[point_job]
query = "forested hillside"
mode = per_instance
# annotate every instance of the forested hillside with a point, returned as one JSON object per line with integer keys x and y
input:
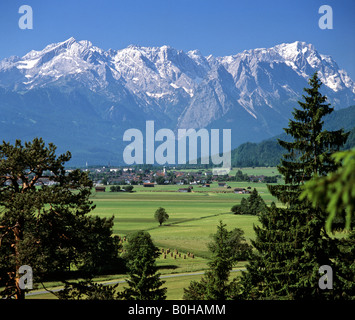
{"x": 269, "y": 152}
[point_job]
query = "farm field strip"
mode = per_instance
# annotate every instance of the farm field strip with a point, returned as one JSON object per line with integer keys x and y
{"x": 193, "y": 217}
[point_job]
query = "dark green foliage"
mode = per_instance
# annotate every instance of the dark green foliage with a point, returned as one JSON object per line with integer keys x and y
{"x": 88, "y": 290}
{"x": 344, "y": 268}
{"x": 286, "y": 265}
{"x": 239, "y": 249}
{"x": 239, "y": 176}
{"x": 144, "y": 282}
{"x": 161, "y": 215}
{"x": 309, "y": 153}
{"x": 46, "y": 226}
{"x": 253, "y": 205}
{"x": 256, "y": 204}
{"x": 335, "y": 193}
{"x": 98, "y": 253}
{"x": 237, "y": 208}
{"x": 266, "y": 153}
{"x": 271, "y": 179}
{"x": 128, "y": 188}
{"x": 226, "y": 249}
{"x": 291, "y": 246}
{"x": 350, "y": 143}
{"x": 292, "y": 242}
{"x": 160, "y": 180}
{"x": 115, "y": 188}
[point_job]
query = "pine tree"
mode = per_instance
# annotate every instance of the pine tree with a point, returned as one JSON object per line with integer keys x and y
{"x": 335, "y": 193}
{"x": 254, "y": 205}
{"x": 309, "y": 153}
{"x": 46, "y": 226}
{"x": 144, "y": 282}
{"x": 292, "y": 242}
{"x": 226, "y": 248}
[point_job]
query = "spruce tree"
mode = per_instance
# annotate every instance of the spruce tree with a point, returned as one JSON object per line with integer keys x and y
{"x": 309, "y": 153}
{"x": 254, "y": 205}
{"x": 226, "y": 249}
{"x": 335, "y": 193}
{"x": 144, "y": 282}
{"x": 292, "y": 242}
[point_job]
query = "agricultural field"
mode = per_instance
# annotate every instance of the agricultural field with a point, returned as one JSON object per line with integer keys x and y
{"x": 266, "y": 171}
{"x": 193, "y": 218}
{"x": 197, "y": 210}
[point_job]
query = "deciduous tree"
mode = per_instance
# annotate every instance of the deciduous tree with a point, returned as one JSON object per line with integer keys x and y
{"x": 161, "y": 215}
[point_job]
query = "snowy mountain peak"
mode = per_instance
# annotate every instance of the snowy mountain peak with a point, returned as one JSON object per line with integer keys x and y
{"x": 292, "y": 51}
{"x": 165, "y": 78}
{"x": 99, "y": 93}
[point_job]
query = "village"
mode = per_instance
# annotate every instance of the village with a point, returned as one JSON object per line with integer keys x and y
{"x": 151, "y": 177}
{"x": 125, "y": 178}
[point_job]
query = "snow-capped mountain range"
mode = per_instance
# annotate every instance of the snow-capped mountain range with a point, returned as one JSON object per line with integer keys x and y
{"x": 95, "y": 94}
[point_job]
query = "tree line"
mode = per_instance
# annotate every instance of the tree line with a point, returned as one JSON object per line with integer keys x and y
{"x": 254, "y": 205}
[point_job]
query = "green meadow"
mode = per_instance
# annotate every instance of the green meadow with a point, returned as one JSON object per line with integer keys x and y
{"x": 203, "y": 206}
{"x": 193, "y": 218}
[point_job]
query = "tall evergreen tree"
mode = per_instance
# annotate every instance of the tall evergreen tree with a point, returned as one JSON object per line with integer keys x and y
{"x": 144, "y": 282}
{"x": 336, "y": 193}
{"x": 226, "y": 249}
{"x": 292, "y": 242}
{"x": 254, "y": 204}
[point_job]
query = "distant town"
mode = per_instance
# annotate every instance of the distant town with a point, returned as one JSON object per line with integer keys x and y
{"x": 151, "y": 176}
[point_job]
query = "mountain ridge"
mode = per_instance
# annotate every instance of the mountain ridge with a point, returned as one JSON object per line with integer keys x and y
{"x": 93, "y": 95}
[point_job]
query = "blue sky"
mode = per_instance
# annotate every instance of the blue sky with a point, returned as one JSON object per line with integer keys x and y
{"x": 214, "y": 27}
